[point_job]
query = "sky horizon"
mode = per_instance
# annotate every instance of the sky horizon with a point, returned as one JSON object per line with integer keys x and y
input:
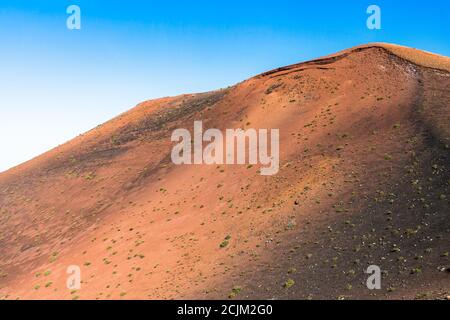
{"x": 58, "y": 83}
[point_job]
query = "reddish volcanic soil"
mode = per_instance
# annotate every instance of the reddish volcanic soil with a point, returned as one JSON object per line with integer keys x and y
{"x": 364, "y": 179}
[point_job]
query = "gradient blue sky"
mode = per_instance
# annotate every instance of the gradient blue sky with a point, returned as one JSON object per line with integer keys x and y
{"x": 56, "y": 83}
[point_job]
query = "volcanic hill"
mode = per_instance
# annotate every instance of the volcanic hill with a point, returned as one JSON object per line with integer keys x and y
{"x": 364, "y": 180}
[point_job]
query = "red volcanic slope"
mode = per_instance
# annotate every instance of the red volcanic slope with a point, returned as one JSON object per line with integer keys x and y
{"x": 363, "y": 180}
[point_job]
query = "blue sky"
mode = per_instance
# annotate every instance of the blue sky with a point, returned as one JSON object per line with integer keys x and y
{"x": 56, "y": 83}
